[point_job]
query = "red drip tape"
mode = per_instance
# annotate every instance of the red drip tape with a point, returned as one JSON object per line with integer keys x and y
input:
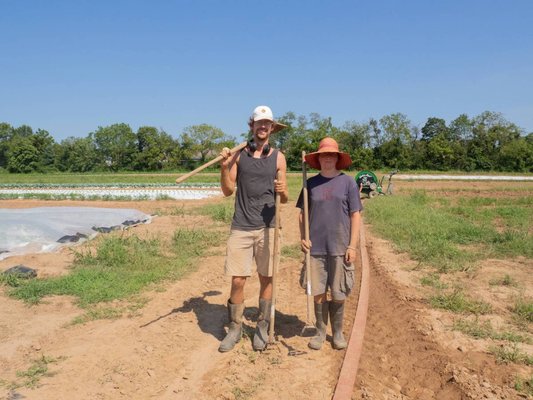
{"x": 346, "y": 381}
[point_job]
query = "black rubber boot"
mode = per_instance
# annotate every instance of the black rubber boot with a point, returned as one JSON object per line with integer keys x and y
{"x": 234, "y": 334}
{"x": 336, "y": 313}
{"x": 263, "y": 321}
{"x": 321, "y": 314}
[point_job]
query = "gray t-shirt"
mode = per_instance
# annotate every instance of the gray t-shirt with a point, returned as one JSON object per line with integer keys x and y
{"x": 331, "y": 202}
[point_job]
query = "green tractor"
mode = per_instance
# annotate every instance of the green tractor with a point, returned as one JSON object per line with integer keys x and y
{"x": 369, "y": 184}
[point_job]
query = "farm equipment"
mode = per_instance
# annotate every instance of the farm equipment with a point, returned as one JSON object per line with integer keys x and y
{"x": 368, "y": 183}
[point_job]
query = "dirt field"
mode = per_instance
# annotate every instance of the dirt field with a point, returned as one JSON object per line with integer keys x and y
{"x": 168, "y": 349}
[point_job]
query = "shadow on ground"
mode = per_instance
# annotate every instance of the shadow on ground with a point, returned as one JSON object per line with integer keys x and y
{"x": 212, "y": 318}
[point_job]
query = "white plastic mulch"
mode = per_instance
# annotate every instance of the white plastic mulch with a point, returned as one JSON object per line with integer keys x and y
{"x": 46, "y": 229}
{"x": 150, "y": 194}
{"x": 464, "y": 177}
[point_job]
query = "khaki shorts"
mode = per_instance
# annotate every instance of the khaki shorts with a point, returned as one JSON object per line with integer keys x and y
{"x": 330, "y": 272}
{"x": 244, "y": 247}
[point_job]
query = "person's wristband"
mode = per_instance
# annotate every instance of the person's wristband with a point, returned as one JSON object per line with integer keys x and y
{"x": 351, "y": 247}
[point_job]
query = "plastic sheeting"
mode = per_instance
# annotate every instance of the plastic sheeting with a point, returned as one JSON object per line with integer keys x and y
{"x": 45, "y": 229}
{"x": 114, "y": 193}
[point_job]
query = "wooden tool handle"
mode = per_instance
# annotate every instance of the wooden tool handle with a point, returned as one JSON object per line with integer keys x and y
{"x": 209, "y": 163}
{"x": 275, "y": 264}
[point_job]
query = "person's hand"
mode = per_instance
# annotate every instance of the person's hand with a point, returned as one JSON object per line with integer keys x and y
{"x": 225, "y": 153}
{"x": 350, "y": 254}
{"x": 306, "y": 245}
{"x": 280, "y": 186}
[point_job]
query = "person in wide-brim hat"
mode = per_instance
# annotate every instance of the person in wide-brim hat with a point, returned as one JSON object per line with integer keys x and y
{"x": 328, "y": 145}
{"x": 331, "y": 211}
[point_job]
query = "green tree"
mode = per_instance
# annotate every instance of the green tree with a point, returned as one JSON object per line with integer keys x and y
{"x": 439, "y": 153}
{"x": 23, "y": 131}
{"x": 280, "y": 139}
{"x": 206, "y": 140}
{"x": 396, "y": 149}
{"x": 304, "y": 134}
{"x": 44, "y": 143}
{"x": 516, "y": 156}
{"x": 23, "y": 157}
{"x": 437, "y": 145}
{"x": 490, "y": 132}
{"x": 115, "y": 146}
{"x": 154, "y": 149}
{"x": 355, "y": 138}
{"x": 76, "y": 155}
{"x": 6, "y": 132}
{"x": 434, "y": 127}
{"x": 396, "y": 127}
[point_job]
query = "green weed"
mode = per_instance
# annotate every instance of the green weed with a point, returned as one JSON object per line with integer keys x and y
{"x": 35, "y": 372}
{"x": 248, "y": 392}
{"x": 98, "y": 313}
{"x": 433, "y": 280}
{"x": 506, "y": 280}
{"x": 178, "y": 211}
{"x": 485, "y": 330}
{"x": 221, "y": 212}
{"x": 291, "y": 251}
{"x": 524, "y": 386}
{"x": 511, "y": 354}
{"x": 523, "y": 309}
{"x": 457, "y": 302}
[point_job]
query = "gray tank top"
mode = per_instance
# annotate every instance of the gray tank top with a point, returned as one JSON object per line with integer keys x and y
{"x": 254, "y": 201}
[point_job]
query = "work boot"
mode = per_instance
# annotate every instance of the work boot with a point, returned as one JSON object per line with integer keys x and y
{"x": 336, "y": 314}
{"x": 234, "y": 334}
{"x": 263, "y": 321}
{"x": 321, "y": 314}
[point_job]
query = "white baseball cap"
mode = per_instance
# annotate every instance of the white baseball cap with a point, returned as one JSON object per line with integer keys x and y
{"x": 262, "y": 112}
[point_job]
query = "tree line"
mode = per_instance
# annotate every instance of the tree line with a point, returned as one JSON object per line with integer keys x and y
{"x": 487, "y": 142}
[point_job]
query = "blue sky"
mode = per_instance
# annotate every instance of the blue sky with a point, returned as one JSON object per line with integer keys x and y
{"x": 72, "y": 66}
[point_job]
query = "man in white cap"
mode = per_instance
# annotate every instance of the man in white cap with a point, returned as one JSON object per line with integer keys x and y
{"x": 254, "y": 171}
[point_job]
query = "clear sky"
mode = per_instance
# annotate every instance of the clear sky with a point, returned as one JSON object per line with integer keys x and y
{"x": 72, "y": 66}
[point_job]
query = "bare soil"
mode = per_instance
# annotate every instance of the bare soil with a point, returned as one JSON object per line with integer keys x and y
{"x": 168, "y": 349}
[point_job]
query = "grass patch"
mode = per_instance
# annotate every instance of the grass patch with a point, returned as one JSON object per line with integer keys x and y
{"x": 249, "y": 391}
{"x": 119, "y": 267}
{"x": 524, "y": 385}
{"x": 511, "y": 354}
{"x": 523, "y": 310}
{"x": 167, "y": 178}
{"x": 433, "y": 280}
{"x": 31, "y": 377}
{"x": 97, "y": 312}
{"x": 221, "y": 212}
{"x": 457, "y": 302}
{"x": 292, "y": 251}
{"x": 485, "y": 330}
{"x": 453, "y": 236}
{"x": 178, "y": 211}
{"x": 506, "y": 280}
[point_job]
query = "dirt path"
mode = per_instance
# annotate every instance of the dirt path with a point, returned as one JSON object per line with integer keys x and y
{"x": 406, "y": 354}
{"x": 168, "y": 350}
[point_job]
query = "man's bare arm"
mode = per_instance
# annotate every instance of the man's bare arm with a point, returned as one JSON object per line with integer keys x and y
{"x": 228, "y": 171}
{"x": 280, "y": 184}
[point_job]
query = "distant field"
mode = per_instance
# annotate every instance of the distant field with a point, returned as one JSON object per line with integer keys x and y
{"x": 92, "y": 178}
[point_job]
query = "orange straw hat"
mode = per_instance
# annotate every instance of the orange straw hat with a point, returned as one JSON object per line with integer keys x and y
{"x": 328, "y": 145}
